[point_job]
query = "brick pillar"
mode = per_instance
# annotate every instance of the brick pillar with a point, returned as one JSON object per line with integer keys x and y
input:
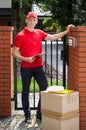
{"x": 5, "y": 70}
{"x": 77, "y": 70}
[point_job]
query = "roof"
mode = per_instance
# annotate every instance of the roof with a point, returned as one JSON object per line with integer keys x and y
{"x": 39, "y": 11}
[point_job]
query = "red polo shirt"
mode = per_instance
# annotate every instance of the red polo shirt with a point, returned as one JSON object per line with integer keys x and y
{"x": 30, "y": 44}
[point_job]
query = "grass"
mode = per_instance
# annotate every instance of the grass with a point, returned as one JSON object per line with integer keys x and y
{"x": 19, "y": 85}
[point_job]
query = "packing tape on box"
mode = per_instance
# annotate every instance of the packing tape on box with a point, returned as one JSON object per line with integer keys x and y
{"x": 60, "y": 116}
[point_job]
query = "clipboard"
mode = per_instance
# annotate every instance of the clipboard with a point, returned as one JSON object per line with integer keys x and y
{"x": 39, "y": 55}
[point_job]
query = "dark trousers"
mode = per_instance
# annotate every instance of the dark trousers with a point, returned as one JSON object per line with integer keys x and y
{"x": 39, "y": 75}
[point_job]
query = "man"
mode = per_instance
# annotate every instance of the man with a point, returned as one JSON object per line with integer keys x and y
{"x": 27, "y": 44}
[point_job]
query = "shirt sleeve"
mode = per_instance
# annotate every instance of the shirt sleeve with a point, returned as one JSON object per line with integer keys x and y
{"x": 44, "y": 34}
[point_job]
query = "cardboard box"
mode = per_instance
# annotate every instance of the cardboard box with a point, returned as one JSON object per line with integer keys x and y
{"x": 49, "y": 122}
{"x": 60, "y": 104}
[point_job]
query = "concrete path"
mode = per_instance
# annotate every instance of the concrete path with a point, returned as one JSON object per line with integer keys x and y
{"x": 16, "y": 121}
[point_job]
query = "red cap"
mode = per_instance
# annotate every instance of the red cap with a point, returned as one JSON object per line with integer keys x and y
{"x": 31, "y": 14}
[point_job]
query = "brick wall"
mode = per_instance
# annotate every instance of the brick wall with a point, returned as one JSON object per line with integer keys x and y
{"x": 77, "y": 70}
{"x": 5, "y": 70}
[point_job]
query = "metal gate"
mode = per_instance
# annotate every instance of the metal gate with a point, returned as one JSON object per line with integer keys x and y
{"x": 55, "y": 66}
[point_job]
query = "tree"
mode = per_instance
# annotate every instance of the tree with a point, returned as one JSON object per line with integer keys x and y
{"x": 67, "y": 11}
{"x": 63, "y": 12}
{"x": 19, "y": 11}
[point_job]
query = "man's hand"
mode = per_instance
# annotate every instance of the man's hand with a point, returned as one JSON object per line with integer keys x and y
{"x": 70, "y": 26}
{"x": 30, "y": 59}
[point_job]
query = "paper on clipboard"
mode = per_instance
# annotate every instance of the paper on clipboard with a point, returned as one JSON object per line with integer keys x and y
{"x": 38, "y": 55}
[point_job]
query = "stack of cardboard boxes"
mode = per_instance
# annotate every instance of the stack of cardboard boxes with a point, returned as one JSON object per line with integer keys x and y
{"x": 60, "y": 111}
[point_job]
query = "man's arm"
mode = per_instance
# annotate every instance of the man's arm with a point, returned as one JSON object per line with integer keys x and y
{"x": 59, "y": 35}
{"x": 16, "y": 54}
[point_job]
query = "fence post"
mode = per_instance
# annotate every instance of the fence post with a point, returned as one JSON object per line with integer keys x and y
{"x": 5, "y": 70}
{"x": 77, "y": 70}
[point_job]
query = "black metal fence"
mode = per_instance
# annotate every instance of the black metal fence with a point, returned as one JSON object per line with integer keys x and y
{"x": 55, "y": 66}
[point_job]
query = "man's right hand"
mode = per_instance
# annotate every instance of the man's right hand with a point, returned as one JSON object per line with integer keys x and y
{"x": 30, "y": 59}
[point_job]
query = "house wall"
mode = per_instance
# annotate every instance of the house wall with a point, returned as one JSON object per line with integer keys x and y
{"x": 5, "y": 3}
{"x": 5, "y": 12}
{"x": 5, "y": 21}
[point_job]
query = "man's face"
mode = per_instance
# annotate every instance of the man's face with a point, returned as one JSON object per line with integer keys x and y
{"x": 31, "y": 22}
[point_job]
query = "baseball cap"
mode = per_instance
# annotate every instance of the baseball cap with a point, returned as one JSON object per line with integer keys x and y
{"x": 31, "y": 14}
